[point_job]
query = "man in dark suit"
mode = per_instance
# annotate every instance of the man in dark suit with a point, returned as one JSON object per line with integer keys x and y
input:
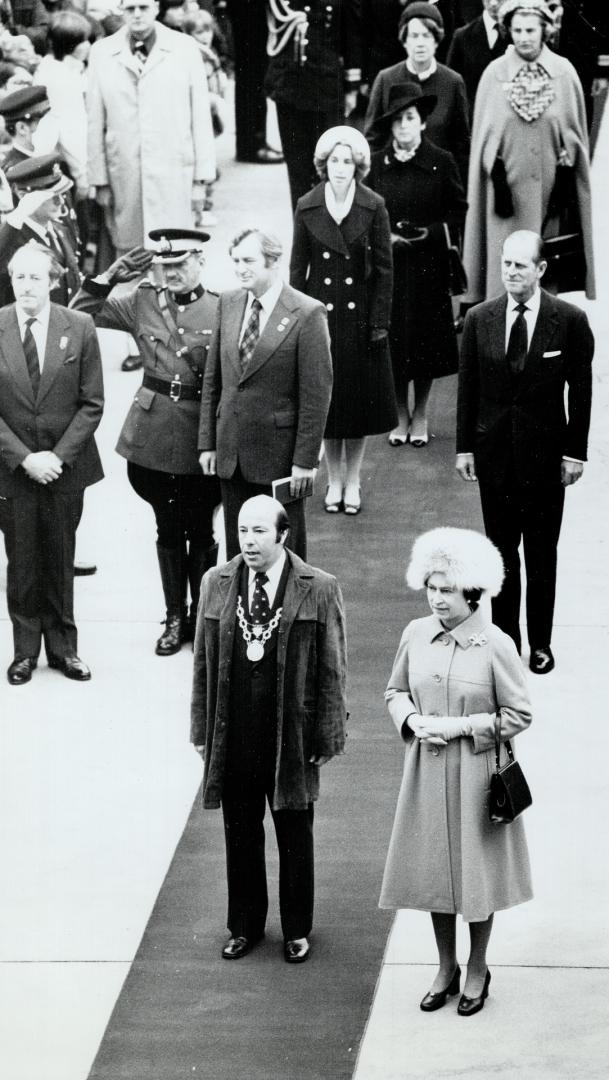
{"x": 51, "y": 402}
{"x": 250, "y": 32}
{"x": 268, "y": 709}
{"x": 266, "y": 388}
{"x": 474, "y": 46}
{"x": 518, "y": 353}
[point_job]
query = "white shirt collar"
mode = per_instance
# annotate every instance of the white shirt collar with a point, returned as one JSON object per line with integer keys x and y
{"x": 532, "y": 303}
{"x": 422, "y": 75}
{"x": 339, "y": 211}
{"x": 268, "y": 299}
{"x": 273, "y": 574}
{"x": 492, "y": 30}
{"x": 42, "y": 317}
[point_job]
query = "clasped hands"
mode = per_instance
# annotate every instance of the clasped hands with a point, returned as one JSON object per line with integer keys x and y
{"x": 437, "y": 730}
{"x": 43, "y": 466}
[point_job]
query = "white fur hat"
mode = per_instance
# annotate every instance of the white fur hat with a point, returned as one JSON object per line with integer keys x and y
{"x": 469, "y": 560}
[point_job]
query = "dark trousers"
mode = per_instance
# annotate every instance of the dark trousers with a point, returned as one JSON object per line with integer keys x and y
{"x": 39, "y": 536}
{"x": 183, "y": 505}
{"x": 533, "y": 514}
{"x": 235, "y": 492}
{"x": 249, "y": 43}
{"x": 299, "y": 131}
{"x": 243, "y": 806}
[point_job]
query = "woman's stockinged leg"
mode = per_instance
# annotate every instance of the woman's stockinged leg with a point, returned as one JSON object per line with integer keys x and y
{"x": 479, "y": 933}
{"x": 445, "y": 930}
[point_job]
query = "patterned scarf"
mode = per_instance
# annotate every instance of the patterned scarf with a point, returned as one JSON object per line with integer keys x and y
{"x": 530, "y": 92}
{"x": 404, "y": 155}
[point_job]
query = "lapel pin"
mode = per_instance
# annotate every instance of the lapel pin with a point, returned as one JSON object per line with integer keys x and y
{"x": 63, "y": 342}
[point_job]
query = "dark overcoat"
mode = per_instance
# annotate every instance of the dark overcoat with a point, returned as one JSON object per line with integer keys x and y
{"x": 350, "y": 269}
{"x": 311, "y": 677}
{"x": 518, "y": 430}
{"x": 272, "y": 415}
{"x": 159, "y": 433}
{"x": 425, "y": 192}
{"x": 469, "y": 55}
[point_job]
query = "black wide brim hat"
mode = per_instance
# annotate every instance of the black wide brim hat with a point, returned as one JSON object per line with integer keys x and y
{"x": 403, "y": 96}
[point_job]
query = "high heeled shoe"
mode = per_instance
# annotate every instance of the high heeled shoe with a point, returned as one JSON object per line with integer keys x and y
{"x": 396, "y": 439}
{"x": 332, "y": 507}
{"x": 351, "y": 505}
{"x": 468, "y": 1006}
{"x": 420, "y": 436}
{"x": 431, "y": 1002}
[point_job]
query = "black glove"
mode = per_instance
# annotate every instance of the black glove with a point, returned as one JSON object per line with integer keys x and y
{"x": 132, "y": 265}
{"x": 504, "y": 204}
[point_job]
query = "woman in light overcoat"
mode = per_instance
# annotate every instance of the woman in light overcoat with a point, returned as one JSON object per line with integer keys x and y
{"x": 454, "y": 676}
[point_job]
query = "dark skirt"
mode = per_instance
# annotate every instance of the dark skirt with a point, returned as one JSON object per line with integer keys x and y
{"x": 363, "y": 395}
{"x": 423, "y": 337}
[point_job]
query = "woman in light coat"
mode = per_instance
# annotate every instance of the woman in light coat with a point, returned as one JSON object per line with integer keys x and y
{"x": 454, "y": 675}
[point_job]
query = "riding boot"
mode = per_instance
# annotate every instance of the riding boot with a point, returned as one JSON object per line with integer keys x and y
{"x": 172, "y": 564}
{"x": 200, "y": 560}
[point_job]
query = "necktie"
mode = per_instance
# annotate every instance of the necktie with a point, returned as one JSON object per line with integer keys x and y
{"x": 140, "y": 53}
{"x": 31, "y": 356}
{"x": 260, "y": 610}
{"x": 250, "y": 334}
{"x": 518, "y": 346}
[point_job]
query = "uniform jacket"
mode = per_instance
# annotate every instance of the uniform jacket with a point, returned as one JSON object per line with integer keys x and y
{"x": 311, "y": 673}
{"x": 68, "y": 407}
{"x": 334, "y": 48}
{"x": 469, "y": 55}
{"x": 272, "y": 415}
{"x": 158, "y": 433}
{"x": 448, "y": 124}
{"x": 529, "y": 151}
{"x": 518, "y": 427}
{"x": 444, "y": 854}
{"x": 150, "y": 135}
{"x": 12, "y": 238}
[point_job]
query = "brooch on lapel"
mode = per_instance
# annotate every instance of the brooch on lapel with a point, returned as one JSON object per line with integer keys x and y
{"x": 284, "y": 322}
{"x": 477, "y": 639}
{"x": 63, "y": 342}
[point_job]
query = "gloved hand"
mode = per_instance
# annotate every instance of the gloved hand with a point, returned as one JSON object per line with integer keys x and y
{"x": 132, "y": 265}
{"x": 438, "y": 730}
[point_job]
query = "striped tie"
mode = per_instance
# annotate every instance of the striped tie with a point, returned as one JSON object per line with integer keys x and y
{"x": 31, "y": 356}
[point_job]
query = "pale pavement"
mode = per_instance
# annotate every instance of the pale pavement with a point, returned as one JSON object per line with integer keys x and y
{"x": 96, "y": 782}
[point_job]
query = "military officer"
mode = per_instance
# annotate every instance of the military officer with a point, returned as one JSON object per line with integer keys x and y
{"x": 171, "y": 315}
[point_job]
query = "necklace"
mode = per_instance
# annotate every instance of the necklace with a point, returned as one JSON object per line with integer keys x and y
{"x": 256, "y": 637}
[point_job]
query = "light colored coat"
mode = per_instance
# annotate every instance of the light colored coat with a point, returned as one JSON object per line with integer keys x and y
{"x": 444, "y": 854}
{"x": 530, "y": 151}
{"x": 150, "y": 135}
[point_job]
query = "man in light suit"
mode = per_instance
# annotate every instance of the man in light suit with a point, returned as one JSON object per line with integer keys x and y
{"x": 519, "y": 351}
{"x": 266, "y": 388}
{"x": 51, "y": 402}
{"x": 474, "y": 46}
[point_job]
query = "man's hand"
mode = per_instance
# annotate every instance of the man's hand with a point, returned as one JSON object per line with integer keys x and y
{"x": 350, "y": 102}
{"x": 570, "y": 471}
{"x": 43, "y": 466}
{"x": 377, "y": 333}
{"x": 320, "y": 759}
{"x": 201, "y": 752}
{"x": 103, "y": 196}
{"x": 207, "y": 461}
{"x": 466, "y": 467}
{"x": 302, "y": 481}
{"x": 128, "y": 267}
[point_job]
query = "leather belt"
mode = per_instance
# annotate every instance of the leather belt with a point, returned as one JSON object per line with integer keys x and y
{"x": 174, "y": 389}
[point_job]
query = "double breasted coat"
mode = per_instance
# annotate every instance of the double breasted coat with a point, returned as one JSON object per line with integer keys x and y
{"x": 311, "y": 675}
{"x": 444, "y": 854}
{"x": 425, "y": 192}
{"x": 529, "y": 151}
{"x": 271, "y": 415}
{"x": 349, "y": 268}
{"x": 150, "y": 134}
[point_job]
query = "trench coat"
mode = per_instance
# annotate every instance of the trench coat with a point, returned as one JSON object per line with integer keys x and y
{"x": 444, "y": 854}
{"x": 150, "y": 135}
{"x": 349, "y": 268}
{"x": 311, "y": 678}
{"x": 529, "y": 150}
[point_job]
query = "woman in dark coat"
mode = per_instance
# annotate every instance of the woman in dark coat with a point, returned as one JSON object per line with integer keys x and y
{"x": 341, "y": 254}
{"x": 425, "y": 200}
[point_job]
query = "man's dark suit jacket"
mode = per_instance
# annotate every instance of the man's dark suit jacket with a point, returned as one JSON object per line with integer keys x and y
{"x": 516, "y": 426}
{"x": 272, "y": 415}
{"x": 67, "y": 409}
{"x": 469, "y": 55}
{"x": 11, "y": 239}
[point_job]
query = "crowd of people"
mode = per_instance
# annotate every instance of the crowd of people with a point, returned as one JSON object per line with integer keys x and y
{"x": 456, "y": 174}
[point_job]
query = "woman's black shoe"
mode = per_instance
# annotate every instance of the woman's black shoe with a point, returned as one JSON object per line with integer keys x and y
{"x": 431, "y": 1002}
{"x": 468, "y": 1006}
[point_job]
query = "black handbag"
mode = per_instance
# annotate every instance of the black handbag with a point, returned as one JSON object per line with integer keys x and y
{"x": 509, "y": 792}
{"x": 457, "y": 277}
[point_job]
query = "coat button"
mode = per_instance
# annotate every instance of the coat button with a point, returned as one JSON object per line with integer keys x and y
{"x": 180, "y": 329}
{"x": 326, "y": 255}
{"x": 330, "y": 307}
{"x": 327, "y": 281}
{"x": 446, "y": 641}
{"x": 437, "y": 678}
{"x": 435, "y": 751}
{"x": 348, "y": 281}
{"x": 351, "y": 305}
{"x": 181, "y": 307}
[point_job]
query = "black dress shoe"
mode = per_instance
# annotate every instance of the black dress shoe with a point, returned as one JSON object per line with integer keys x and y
{"x": 267, "y": 156}
{"x": 131, "y": 363}
{"x": 20, "y": 671}
{"x": 431, "y": 1002}
{"x": 70, "y": 666}
{"x": 296, "y": 952}
{"x": 468, "y": 1006}
{"x": 174, "y": 635}
{"x": 541, "y": 661}
{"x": 82, "y": 569}
{"x": 236, "y": 947}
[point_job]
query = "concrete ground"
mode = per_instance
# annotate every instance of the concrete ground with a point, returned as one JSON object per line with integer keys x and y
{"x": 96, "y": 782}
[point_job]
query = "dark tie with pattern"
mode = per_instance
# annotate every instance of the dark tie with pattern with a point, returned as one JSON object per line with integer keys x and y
{"x": 140, "y": 52}
{"x": 518, "y": 345}
{"x": 260, "y": 610}
{"x": 250, "y": 334}
{"x": 31, "y": 356}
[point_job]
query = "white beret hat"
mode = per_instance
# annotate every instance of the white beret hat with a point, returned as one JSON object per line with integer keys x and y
{"x": 347, "y": 136}
{"x": 469, "y": 560}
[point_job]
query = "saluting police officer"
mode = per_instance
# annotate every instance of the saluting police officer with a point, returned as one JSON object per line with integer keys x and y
{"x": 172, "y": 316}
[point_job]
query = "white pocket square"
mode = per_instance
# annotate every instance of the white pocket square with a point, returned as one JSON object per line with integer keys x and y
{"x": 554, "y": 352}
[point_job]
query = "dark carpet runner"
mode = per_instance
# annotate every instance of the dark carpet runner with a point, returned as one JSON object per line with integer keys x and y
{"x": 186, "y": 1014}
